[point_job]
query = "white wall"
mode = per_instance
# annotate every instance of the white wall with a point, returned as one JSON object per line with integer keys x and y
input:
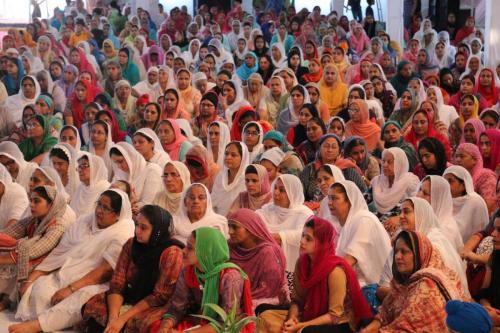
{"x": 19, "y": 11}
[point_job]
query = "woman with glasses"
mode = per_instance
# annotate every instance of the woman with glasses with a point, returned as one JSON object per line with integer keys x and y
{"x": 361, "y": 125}
{"x": 176, "y": 180}
{"x": 93, "y": 181}
{"x": 252, "y": 137}
{"x": 63, "y": 159}
{"x": 39, "y": 140}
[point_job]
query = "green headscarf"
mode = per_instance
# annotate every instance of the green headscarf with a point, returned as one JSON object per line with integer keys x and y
{"x": 29, "y": 149}
{"x": 213, "y": 256}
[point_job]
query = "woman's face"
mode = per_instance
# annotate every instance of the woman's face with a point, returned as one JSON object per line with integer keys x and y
{"x": 142, "y": 145}
{"x": 355, "y": 113}
{"x": 172, "y": 179}
{"x": 304, "y": 116}
{"x": 104, "y": 213}
{"x": 420, "y": 124}
{"x": 375, "y": 47}
{"x": 60, "y": 165}
{"x": 196, "y": 201}
{"x": 254, "y": 85}
{"x": 81, "y": 92}
{"x": 407, "y": 216}
{"x": 252, "y": 183}
{"x": 474, "y": 64}
{"x": 229, "y": 93}
{"x": 369, "y": 90}
{"x": 189, "y": 253}
{"x": 313, "y": 131}
{"x": 427, "y": 158}
{"x": 295, "y": 61}
{"x": 313, "y": 67}
{"x": 280, "y": 197}
{"x": 43, "y": 108}
{"x": 183, "y": 80}
{"x": 457, "y": 186}
{"x": 431, "y": 95}
{"x": 250, "y": 61}
{"x": 143, "y": 229}
{"x": 170, "y": 102}
{"x": 28, "y": 88}
{"x": 422, "y": 57}
{"x": 38, "y": 178}
{"x": 68, "y": 136}
{"x": 75, "y": 58}
{"x": 150, "y": 113}
{"x": 232, "y": 157}
{"x": 324, "y": 180}
{"x": 425, "y": 191}
{"x": 467, "y": 108}
{"x": 485, "y": 146}
{"x": 307, "y": 242}
{"x": 336, "y": 128}
{"x": 404, "y": 258}
{"x": 12, "y": 69}
{"x": 39, "y": 206}
{"x": 465, "y": 160}
{"x": 338, "y": 203}
{"x": 98, "y": 135}
{"x": 166, "y": 134}
{"x": 35, "y": 130}
{"x": 169, "y": 60}
{"x": 122, "y": 58}
{"x": 485, "y": 78}
{"x": 83, "y": 169}
{"x": 391, "y": 133}
{"x": 406, "y": 100}
{"x": 297, "y": 99}
{"x": 489, "y": 122}
{"x": 466, "y": 86}
{"x": 388, "y": 165}
{"x": 330, "y": 75}
{"x": 214, "y": 135}
{"x": 264, "y": 64}
{"x": 358, "y": 154}
{"x": 470, "y": 134}
{"x": 329, "y": 150}
{"x": 440, "y": 50}
{"x": 120, "y": 162}
{"x": 251, "y": 136}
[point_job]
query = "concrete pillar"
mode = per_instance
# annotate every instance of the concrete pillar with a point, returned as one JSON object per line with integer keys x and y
{"x": 394, "y": 19}
{"x": 492, "y": 34}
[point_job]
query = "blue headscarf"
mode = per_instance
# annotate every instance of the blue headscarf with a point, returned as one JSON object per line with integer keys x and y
{"x": 12, "y": 84}
{"x": 244, "y": 71}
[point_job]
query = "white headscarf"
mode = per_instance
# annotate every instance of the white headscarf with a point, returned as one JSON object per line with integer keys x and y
{"x": 144, "y": 87}
{"x": 282, "y": 62}
{"x": 11, "y": 151}
{"x": 239, "y": 101}
{"x": 224, "y": 139}
{"x": 446, "y": 113}
{"x": 223, "y": 193}
{"x": 185, "y": 127}
{"x": 442, "y": 203}
{"x": 14, "y": 105}
{"x": 183, "y": 225}
{"x": 237, "y": 53}
{"x": 14, "y": 200}
{"x": 78, "y": 145}
{"x": 145, "y": 178}
{"x": 73, "y": 179}
{"x": 223, "y": 54}
{"x": 363, "y": 237}
{"x": 51, "y": 174}
{"x": 470, "y": 210}
{"x": 172, "y": 201}
{"x": 83, "y": 200}
{"x": 188, "y": 57}
{"x": 105, "y": 156}
{"x": 274, "y": 155}
{"x": 324, "y": 210}
{"x": 259, "y": 147}
{"x": 287, "y": 222}
{"x": 404, "y": 186}
{"x": 160, "y": 156}
{"x": 427, "y": 223}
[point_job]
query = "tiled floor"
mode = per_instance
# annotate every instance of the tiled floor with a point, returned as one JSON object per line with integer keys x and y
{"x": 7, "y": 318}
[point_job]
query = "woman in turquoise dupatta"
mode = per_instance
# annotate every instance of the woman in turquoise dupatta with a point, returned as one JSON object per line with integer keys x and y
{"x": 130, "y": 71}
{"x": 250, "y": 66}
{"x": 39, "y": 140}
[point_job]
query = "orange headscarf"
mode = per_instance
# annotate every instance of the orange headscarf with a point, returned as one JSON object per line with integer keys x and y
{"x": 364, "y": 128}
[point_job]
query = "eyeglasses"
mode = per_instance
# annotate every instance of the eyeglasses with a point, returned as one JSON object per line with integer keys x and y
{"x": 33, "y": 125}
{"x": 353, "y": 110}
{"x": 105, "y": 209}
{"x": 252, "y": 133}
{"x": 173, "y": 175}
{"x": 82, "y": 167}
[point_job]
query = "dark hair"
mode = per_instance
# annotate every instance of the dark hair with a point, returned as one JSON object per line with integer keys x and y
{"x": 144, "y": 136}
{"x": 251, "y": 169}
{"x": 103, "y": 99}
{"x": 102, "y": 123}
{"x": 339, "y": 187}
{"x": 411, "y": 240}
{"x": 103, "y": 113}
{"x": 468, "y": 77}
{"x": 298, "y": 88}
{"x": 116, "y": 200}
{"x": 253, "y": 125}
{"x": 309, "y": 223}
{"x": 360, "y": 91}
{"x": 67, "y": 127}
{"x": 467, "y": 96}
{"x": 171, "y": 91}
{"x": 115, "y": 151}
{"x": 41, "y": 191}
{"x": 325, "y": 168}
{"x": 238, "y": 146}
{"x": 319, "y": 122}
{"x": 436, "y": 147}
{"x": 126, "y": 51}
{"x": 351, "y": 144}
{"x": 231, "y": 84}
{"x": 59, "y": 153}
{"x": 84, "y": 157}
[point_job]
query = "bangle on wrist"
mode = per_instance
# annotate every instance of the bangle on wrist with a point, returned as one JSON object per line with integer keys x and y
{"x": 70, "y": 287}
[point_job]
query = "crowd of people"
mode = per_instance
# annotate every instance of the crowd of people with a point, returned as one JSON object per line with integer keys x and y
{"x": 296, "y": 167}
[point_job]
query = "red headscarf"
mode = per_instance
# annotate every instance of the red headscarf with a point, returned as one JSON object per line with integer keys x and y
{"x": 84, "y": 64}
{"x": 174, "y": 148}
{"x": 77, "y": 105}
{"x": 236, "y": 128}
{"x": 117, "y": 134}
{"x": 313, "y": 275}
{"x": 494, "y": 160}
{"x": 310, "y": 77}
{"x": 489, "y": 93}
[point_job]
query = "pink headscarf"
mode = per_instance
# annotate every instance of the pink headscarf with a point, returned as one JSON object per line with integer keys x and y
{"x": 478, "y": 128}
{"x": 174, "y": 148}
{"x": 494, "y": 160}
{"x": 359, "y": 43}
{"x": 478, "y": 170}
{"x": 146, "y": 58}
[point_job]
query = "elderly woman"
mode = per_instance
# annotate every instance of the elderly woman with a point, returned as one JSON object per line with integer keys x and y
{"x": 78, "y": 268}
{"x": 26, "y": 243}
{"x": 421, "y": 286}
{"x": 253, "y": 248}
{"x": 355, "y": 149}
{"x": 288, "y": 117}
{"x": 258, "y": 189}
{"x": 176, "y": 180}
{"x": 172, "y": 140}
{"x": 196, "y": 211}
{"x": 255, "y": 90}
{"x": 392, "y": 136}
{"x": 361, "y": 125}
{"x": 39, "y": 140}
{"x": 13, "y": 160}
{"x": 144, "y": 277}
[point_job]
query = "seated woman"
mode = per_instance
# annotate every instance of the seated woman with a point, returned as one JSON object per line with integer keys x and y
{"x": 489, "y": 144}
{"x": 230, "y": 181}
{"x": 144, "y": 278}
{"x": 469, "y": 208}
{"x": 298, "y": 133}
{"x": 288, "y": 117}
{"x": 392, "y": 136}
{"x": 93, "y": 181}
{"x": 147, "y": 143}
{"x": 130, "y": 166}
{"x": 421, "y": 286}
{"x": 436, "y": 190}
{"x": 253, "y": 248}
{"x": 13, "y": 160}
{"x": 472, "y": 130}
{"x": 327, "y": 175}
{"x": 46, "y": 175}
{"x": 308, "y": 149}
{"x": 363, "y": 241}
{"x": 70, "y": 135}
{"x": 252, "y": 135}
{"x": 201, "y": 166}
{"x": 39, "y": 140}
{"x": 468, "y": 156}
{"x": 62, "y": 158}
{"x": 195, "y": 212}
{"x": 218, "y": 137}
{"x": 174, "y": 143}
{"x": 285, "y": 215}
{"x": 409, "y": 103}
{"x": 329, "y": 152}
{"x": 206, "y": 259}
{"x": 327, "y": 296}
{"x": 355, "y": 149}
{"x": 432, "y": 157}
{"x": 361, "y": 125}
{"x": 395, "y": 184}
{"x": 20, "y": 132}
{"x": 175, "y": 182}
{"x": 77, "y": 269}
{"x": 258, "y": 189}
{"x": 13, "y": 200}
{"x": 26, "y": 243}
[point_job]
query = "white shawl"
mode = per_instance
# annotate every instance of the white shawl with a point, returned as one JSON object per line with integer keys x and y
{"x": 11, "y": 150}
{"x": 282, "y": 62}
{"x": 172, "y": 201}
{"x": 83, "y": 201}
{"x": 224, "y": 139}
{"x": 446, "y": 113}
{"x": 324, "y": 210}
{"x": 288, "y": 222}
{"x": 442, "y": 204}
{"x": 239, "y": 101}
{"x": 223, "y": 193}
{"x": 259, "y": 147}
{"x": 145, "y": 178}
{"x": 160, "y": 156}
{"x": 363, "y": 237}
{"x": 183, "y": 225}
{"x": 470, "y": 211}
{"x": 78, "y": 145}
{"x": 144, "y": 87}
{"x": 405, "y": 183}
{"x": 106, "y": 158}
{"x": 82, "y": 249}
{"x": 73, "y": 178}
{"x": 14, "y": 200}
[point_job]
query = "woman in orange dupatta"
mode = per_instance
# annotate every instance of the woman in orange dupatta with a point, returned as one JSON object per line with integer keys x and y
{"x": 361, "y": 125}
